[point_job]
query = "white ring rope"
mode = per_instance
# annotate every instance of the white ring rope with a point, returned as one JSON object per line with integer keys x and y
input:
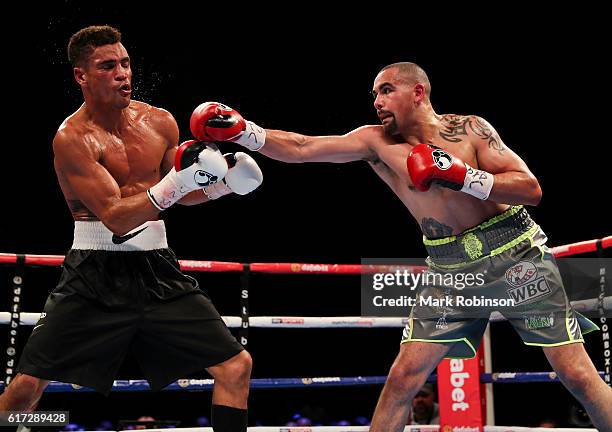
{"x": 30, "y": 318}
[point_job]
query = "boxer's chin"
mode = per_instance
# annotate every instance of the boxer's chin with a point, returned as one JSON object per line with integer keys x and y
{"x": 123, "y": 103}
{"x": 390, "y": 127}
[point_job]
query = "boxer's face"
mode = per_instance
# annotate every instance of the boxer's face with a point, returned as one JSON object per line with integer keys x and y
{"x": 107, "y": 77}
{"x": 393, "y": 100}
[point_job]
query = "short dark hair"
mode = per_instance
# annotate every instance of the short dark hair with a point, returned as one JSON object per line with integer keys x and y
{"x": 83, "y": 43}
{"x": 413, "y": 72}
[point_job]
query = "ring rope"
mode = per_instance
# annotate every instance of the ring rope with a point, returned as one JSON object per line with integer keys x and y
{"x": 206, "y": 384}
{"x": 297, "y": 268}
{"x": 30, "y": 318}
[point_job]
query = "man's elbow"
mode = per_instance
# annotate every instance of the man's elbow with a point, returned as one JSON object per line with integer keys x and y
{"x": 535, "y": 192}
{"x": 114, "y": 223}
{"x": 301, "y": 151}
{"x": 116, "y": 228}
{"x": 288, "y": 147}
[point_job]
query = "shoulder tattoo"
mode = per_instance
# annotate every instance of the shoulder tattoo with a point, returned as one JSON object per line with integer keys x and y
{"x": 456, "y": 126}
{"x": 483, "y": 130}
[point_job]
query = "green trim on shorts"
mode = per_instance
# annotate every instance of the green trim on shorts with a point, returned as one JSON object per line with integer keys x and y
{"x": 571, "y": 339}
{"x": 525, "y": 236}
{"x": 500, "y": 217}
{"x": 409, "y": 339}
{"x": 467, "y": 342}
{"x": 555, "y": 344}
{"x": 445, "y": 240}
{"x": 440, "y": 241}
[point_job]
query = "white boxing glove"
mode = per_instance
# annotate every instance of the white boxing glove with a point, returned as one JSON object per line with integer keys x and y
{"x": 243, "y": 177}
{"x": 197, "y": 164}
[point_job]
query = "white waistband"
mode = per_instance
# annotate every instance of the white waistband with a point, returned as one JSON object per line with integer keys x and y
{"x": 94, "y": 235}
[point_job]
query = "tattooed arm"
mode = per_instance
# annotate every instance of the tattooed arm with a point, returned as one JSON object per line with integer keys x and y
{"x": 514, "y": 183}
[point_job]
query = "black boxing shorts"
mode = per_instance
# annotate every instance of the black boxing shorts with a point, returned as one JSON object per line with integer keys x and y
{"x": 121, "y": 296}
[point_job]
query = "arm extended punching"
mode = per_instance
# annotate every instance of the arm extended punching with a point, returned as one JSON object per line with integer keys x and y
{"x": 214, "y": 121}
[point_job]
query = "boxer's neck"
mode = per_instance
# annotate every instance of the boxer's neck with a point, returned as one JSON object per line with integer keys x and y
{"x": 109, "y": 118}
{"x": 423, "y": 126}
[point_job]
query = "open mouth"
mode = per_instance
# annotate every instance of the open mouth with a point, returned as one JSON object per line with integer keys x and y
{"x": 383, "y": 116}
{"x": 125, "y": 90}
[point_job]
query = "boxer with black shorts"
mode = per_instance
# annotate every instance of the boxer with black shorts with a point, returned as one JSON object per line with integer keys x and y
{"x": 121, "y": 289}
{"x": 466, "y": 189}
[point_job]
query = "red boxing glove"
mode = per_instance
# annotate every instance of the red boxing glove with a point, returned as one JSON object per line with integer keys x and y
{"x": 429, "y": 164}
{"x": 213, "y": 121}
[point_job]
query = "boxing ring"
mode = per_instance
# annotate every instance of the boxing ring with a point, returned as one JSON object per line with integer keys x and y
{"x": 15, "y": 318}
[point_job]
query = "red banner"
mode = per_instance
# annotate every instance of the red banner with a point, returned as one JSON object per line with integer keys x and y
{"x": 459, "y": 396}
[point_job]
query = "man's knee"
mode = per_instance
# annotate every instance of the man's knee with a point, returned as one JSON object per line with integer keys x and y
{"x": 24, "y": 391}
{"x": 574, "y": 368}
{"x": 404, "y": 378}
{"x": 237, "y": 370}
{"x": 577, "y": 378}
{"x": 246, "y": 364}
{"x": 27, "y": 384}
{"x": 412, "y": 367}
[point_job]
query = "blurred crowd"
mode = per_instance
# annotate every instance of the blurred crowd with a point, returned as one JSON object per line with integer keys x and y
{"x": 424, "y": 411}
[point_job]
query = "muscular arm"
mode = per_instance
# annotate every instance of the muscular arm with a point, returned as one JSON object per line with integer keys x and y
{"x": 514, "y": 182}
{"x": 94, "y": 186}
{"x": 296, "y": 148}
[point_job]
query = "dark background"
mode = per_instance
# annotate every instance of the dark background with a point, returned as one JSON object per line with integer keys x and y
{"x": 540, "y": 80}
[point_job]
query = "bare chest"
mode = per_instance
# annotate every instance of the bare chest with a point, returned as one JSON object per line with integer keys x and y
{"x": 134, "y": 156}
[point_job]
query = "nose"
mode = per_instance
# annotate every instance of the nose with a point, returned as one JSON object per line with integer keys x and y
{"x": 378, "y": 102}
{"x": 122, "y": 73}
